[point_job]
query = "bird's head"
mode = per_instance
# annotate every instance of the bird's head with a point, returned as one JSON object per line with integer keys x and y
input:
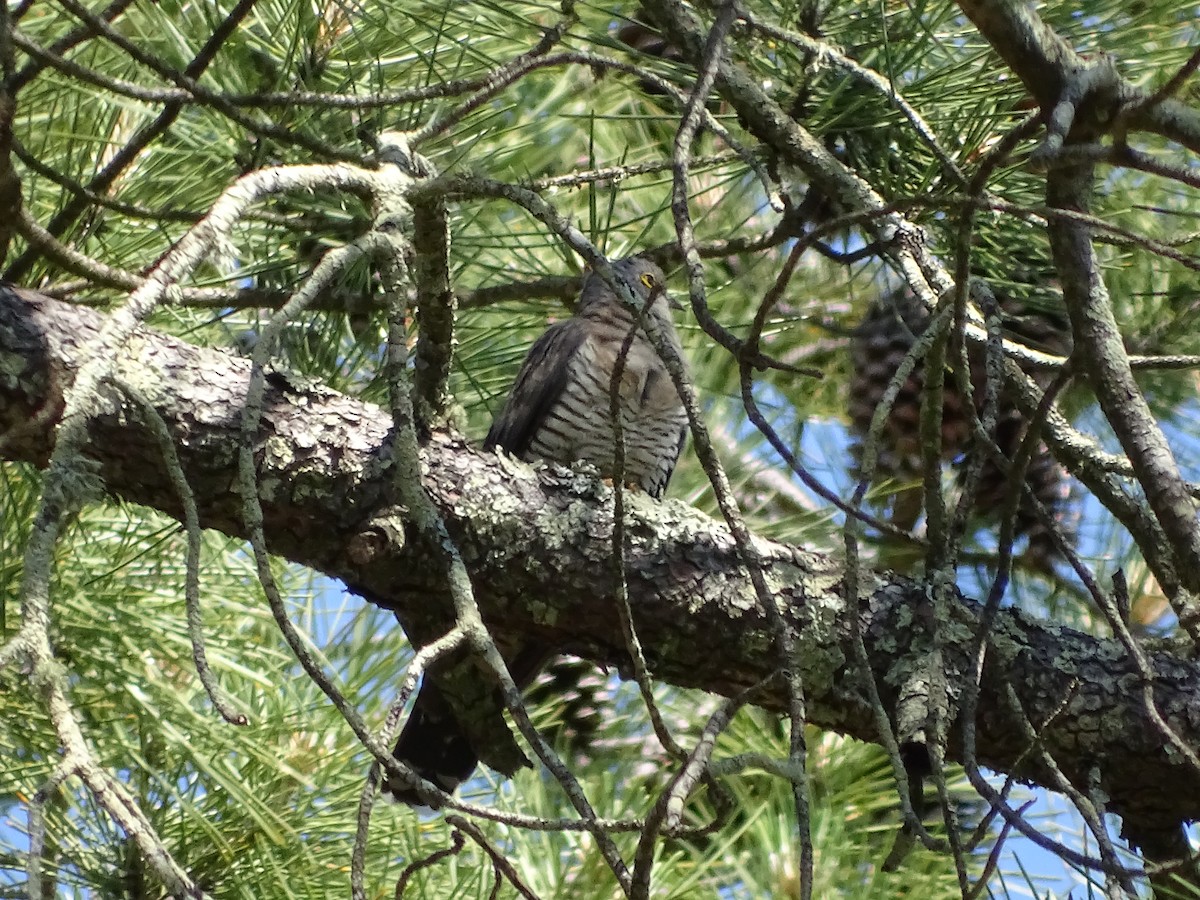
{"x": 643, "y": 278}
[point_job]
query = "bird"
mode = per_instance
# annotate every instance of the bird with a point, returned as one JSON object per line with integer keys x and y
{"x": 559, "y": 410}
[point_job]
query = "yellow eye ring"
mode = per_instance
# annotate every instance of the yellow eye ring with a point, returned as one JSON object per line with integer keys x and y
{"x": 648, "y": 280}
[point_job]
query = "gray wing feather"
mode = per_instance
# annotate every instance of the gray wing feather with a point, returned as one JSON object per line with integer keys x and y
{"x": 672, "y": 462}
{"x": 537, "y": 388}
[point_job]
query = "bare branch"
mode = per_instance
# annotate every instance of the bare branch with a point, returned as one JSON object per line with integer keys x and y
{"x": 312, "y": 518}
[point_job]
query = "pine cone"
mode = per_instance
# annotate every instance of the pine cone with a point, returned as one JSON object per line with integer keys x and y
{"x": 572, "y": 689}
{"x": 878, "y": 348}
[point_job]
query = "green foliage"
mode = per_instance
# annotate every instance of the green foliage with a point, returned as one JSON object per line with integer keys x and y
{"x": 269, "y": 809}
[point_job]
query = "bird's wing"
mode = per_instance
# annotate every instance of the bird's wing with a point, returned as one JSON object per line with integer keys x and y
{"x": 672, "y": 461}
{"x": 537, "y": 388}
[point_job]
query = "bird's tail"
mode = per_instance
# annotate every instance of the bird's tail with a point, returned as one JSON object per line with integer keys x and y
{"x": 434, "y": 743}
{"x": 434, "y": 746}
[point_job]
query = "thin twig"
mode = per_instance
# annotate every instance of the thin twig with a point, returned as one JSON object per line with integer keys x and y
{"x": 823, "y": 52}
{"x": 126, "y": 156}
{"x": 668, "y": 810}
{"x": 641, "y": 672}
{"x": 499, "y": 78}
{"x": 498, "y": 859}
{"x": 709, "y": 63}
{"x": 447, "y": 643}
{"x": 71, "y": 39}
{"x": 191, "y": 522}
{"x": 456, "y": 845}
{"x": 993, "y": 860}
{"x": 187, "y": 79}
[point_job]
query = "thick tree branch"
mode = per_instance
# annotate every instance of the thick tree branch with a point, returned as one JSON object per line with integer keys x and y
{"x": 1069, "y": 86}
{"x": 537, "y": 546}
{"x": 1099, "y": 347}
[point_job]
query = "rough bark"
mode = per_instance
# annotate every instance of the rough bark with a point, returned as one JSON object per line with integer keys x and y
{"x": 538, "y": 542}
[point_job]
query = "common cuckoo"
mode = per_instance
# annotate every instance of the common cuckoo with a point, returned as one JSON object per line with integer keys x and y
{"x": 559, "y": 410}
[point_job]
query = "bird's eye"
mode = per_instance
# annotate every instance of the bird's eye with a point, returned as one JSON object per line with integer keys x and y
{"x": 648, "y": 280}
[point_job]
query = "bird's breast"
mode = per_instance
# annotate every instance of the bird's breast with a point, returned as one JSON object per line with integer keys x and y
{"x": 579, "y": 427}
